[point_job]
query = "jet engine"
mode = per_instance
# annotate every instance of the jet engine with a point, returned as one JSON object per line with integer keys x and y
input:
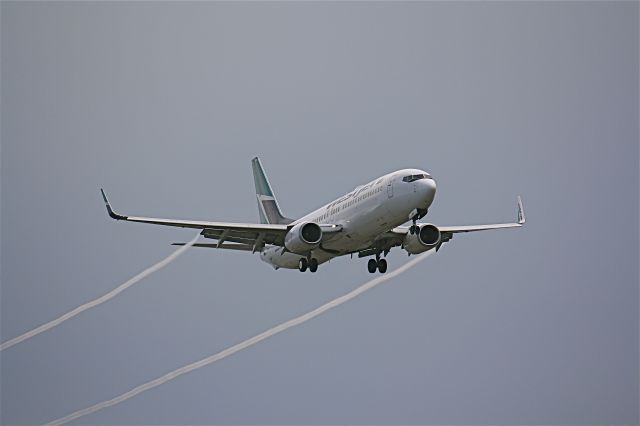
{"x": 303, "y": 237}
{"x": 427, "y": 237}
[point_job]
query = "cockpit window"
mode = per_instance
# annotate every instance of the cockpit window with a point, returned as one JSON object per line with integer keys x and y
{"x": 411, "y": 178}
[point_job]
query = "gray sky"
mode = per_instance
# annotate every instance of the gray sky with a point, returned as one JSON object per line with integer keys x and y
{"x": 164, "y": 104}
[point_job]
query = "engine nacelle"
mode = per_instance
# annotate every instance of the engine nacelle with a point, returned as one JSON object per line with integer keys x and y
{"x": 303, "y": 237}
{"x": 427, "y": 237}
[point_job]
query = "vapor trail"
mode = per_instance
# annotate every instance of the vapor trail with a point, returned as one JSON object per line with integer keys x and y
{"x": 48, "y": 326}
{"x": 242, "y": 345}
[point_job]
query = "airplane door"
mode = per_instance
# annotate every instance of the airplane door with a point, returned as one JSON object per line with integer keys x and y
{"x": 390, "y": 188}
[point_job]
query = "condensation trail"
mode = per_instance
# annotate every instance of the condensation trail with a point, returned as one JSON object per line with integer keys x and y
{"x": 242, "y": 345}
{"x": 113, "y": 293}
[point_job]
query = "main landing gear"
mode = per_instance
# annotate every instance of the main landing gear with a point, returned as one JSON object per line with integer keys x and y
{"x": 311, "y": 263}
{"x": 377, "y": 263}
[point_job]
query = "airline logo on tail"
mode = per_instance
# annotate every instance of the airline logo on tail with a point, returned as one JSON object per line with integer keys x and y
{"x": 268, "y": 207}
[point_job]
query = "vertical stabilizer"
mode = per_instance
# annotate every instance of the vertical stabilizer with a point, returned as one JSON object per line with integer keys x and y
{"x": 267, "y": 204}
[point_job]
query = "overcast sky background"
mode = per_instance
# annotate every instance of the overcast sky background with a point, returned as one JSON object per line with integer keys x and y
{"x": 165, "y": 104}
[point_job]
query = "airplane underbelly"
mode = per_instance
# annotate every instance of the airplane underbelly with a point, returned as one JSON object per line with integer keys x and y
{"x": 274, "y": 256}
{"x": 346, "y": 243}
{"x": 367, "y": 224}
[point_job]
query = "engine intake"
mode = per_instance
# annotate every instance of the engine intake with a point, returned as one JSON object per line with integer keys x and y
{"x": 427, "y": 237}
{"x": 303, "y": 237}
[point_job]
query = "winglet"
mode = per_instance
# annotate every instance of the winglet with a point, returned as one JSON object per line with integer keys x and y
{"x": 113, "y": 214}
{"x": 521, "y": 218}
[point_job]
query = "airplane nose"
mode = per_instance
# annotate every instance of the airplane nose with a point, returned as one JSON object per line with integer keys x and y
{"x": 427, "y": 189}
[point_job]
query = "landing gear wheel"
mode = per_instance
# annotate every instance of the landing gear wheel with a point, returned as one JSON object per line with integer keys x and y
{"x": 372, "y": 265}
{"x": 302, "y": 264}
{"x": 413, "y": 229}
{"x": 382, "y": 266}
{"x": 313, "y": 264}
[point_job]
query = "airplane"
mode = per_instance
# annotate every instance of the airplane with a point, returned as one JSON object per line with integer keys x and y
{"x": 367, "y": 221}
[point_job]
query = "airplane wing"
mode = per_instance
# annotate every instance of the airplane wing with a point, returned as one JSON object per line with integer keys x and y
{"x": 243, "y": 236}
{"x": 472, "y": 228}
{"x": 245, "y": 247}
{"x": 248, "y": 234}
{"x": 395, "y": 237}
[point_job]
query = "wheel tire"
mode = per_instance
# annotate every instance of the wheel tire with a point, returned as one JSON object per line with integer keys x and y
{"x": 372, "y": 265}
{"x": 302, "y": 264}
{"x": 382, "y": 266}
{"x": 313, "y": 264}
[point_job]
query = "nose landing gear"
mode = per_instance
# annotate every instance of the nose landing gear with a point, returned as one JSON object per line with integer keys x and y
{"x": 420, "y": 213}
{"x": 413, "y": 229}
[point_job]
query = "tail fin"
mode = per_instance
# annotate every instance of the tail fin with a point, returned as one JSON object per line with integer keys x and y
{"x": 267, "y": 203}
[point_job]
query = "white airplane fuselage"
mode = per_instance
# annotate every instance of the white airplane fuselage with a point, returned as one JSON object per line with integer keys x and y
{"x": 365, "y": 213}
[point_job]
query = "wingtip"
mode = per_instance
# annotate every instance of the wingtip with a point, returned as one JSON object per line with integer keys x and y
{"x": 112, "y": 214}
{"x": 521, "y": 217}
